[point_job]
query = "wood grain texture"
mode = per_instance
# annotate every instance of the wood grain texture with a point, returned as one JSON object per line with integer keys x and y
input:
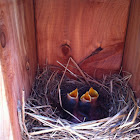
{"x": 18, "y": 57}
{"x": 77, "y": 28}
{"x": 131, "y": 60}
{"x": 5, "y": 126}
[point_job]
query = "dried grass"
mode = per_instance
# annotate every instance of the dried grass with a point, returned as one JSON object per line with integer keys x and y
{"x": 41, "y": 117}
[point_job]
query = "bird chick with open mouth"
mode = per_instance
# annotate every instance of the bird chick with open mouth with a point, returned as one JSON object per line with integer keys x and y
{"x": 94, "y": 96}
{"x": 72, "y": 100}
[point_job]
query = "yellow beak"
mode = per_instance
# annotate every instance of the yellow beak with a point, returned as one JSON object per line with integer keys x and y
{"x": 94, "y": 95}
{"x": 86, "y": 97}
{"x": 73, "y": 95}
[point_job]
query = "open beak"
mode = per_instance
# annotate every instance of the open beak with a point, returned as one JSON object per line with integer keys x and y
{"x": 94, "y": 96}
{"x": 73, "y": 96}
{"x": 85, "y": 104}
{"x": 85, "y": 97}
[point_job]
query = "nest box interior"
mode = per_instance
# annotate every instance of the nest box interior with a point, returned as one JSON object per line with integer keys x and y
{"x": 102, "y": 36}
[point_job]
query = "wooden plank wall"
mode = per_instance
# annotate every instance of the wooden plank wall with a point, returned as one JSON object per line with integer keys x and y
{"x": 77, "y": 28}
{"x": 5, "y": 125}
{"x": 131, "y": 60}
{"x": 18, "y": 60}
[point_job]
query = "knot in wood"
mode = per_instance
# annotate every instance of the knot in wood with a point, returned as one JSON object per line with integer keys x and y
{"x": 2, "y": 39}
{"x": 65, "y": 49}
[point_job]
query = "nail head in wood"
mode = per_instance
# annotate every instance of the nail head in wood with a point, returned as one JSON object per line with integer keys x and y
{"x": 27, "y": 66}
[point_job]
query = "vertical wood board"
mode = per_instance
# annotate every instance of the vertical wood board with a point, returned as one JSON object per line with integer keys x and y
{"x": 131, "y": 59}
{"x": 5, "y": 125}
{"x": 77, "y": 28}
{"x": 18, "y": 57}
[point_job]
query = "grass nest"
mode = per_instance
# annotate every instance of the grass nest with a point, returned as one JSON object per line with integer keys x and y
{"x": 44, "y": 116}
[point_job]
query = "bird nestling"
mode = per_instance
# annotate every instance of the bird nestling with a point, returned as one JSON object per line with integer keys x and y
{"x": 94, "y": 96}
{"x": 72, "y": 100}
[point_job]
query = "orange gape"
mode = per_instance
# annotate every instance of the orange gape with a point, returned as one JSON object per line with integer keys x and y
{"x": 94, "y": 96}
{"x": 86, "y": 97}
{"x": 73, "y": 95}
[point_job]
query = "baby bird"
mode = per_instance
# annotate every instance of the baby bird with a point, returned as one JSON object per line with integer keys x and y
{"x": 95, "y": 111}
{"x": 72, "y": 100}
{"x": 85, "y": 103}
{"x": 94, "y": 96}
{"x": 82, "y": 109}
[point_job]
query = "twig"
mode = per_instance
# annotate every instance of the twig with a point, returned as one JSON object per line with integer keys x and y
{"x": 23, "y": 113}
{"x": 80, "y": 70}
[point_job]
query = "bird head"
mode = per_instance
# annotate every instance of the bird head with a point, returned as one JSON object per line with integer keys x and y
{"x": 85, "y": 97}
{"x": 72, "y": 100}
{"x": 94, "y": 96}
{"x": 73, "y": 95}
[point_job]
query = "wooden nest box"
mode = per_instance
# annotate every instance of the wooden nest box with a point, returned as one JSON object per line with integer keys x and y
{"x": 102, "y": 36}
